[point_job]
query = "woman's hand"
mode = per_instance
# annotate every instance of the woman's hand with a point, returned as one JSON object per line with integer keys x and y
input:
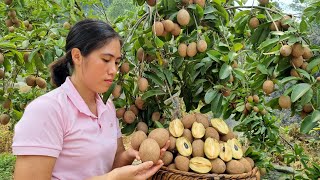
{"x": 131, "y": 153}
{"x": 134, "y": 172}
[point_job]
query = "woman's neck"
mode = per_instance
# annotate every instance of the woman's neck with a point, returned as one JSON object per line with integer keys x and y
{"x": 87, "y": 95}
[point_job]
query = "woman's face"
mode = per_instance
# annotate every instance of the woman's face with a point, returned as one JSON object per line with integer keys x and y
{"x": 100, "y": 67}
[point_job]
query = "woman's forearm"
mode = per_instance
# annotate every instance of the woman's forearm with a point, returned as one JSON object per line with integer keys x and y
{"x": 123, "y": 159}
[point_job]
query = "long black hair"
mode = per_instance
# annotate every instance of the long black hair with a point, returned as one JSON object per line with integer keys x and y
{"x": 86, "y": 35}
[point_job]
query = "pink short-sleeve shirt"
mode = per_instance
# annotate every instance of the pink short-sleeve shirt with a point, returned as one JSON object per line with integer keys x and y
{"x": 59, "y": 124}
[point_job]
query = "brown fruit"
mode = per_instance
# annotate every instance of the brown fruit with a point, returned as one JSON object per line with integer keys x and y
{"x": 256, "y": 109}
{"x": 211, "y": 148}
{"x": 218, "y": 166}
{"x": 201, "y": 3}
{"x": 200, "y": 165}
{"x": 176, "y": 30}
{"x": 294, "y": 72}
{"x": 235, "y": 64}
{"x": 8, "y": 2}
{"x": 225, "y": 152}
{"x": 2, "y": 74}
{"x": 284, "y": 102}
{"x": 41, "y": 83}
{"x": 26, "y": 56}
{"x": 15, "y": 20}
{"x": 198, "y": 148}
{"x": 143, "y": 84}
{"x": 268, "y": 87}
{"x": 198, "y": 130}
{"x": 157, "y": 28}
{"x": 263, "y": 171}
{"x": 283, "y": 23}
{"x": 168, "y": 25}
{"x": 286, "y": 50}
{"x": 116, "y": 91}
{"x": 228, "y": 136}
{"x": 167, "y": 158}
{"x": 264, "y": 112}
{"x": 129, "y": 117}
{"x": 250, "y": 99}
{"x": 142, "y": 126}
{"x": 192, "y": 49}
{"x": 17, "y": 24}
{"x": 66, "y": 25}
{"x": 140, "y": 54}
{"x": 187, "y": 2}
{"x": 149, "y": 151}
{"x": 263, "y": 2}
{"x": 188, "y": 120}
{"x": 236, "y": 147}
{"x": 134, "y": 109}
{"x": 7, "y": 104}
{"x": 203, "y": 119}
{"x": 139, "y": 103}
{"x": 220, "y": 125}
{"x": 1, "y": 58}
{"x": 297, "y": 50}
{"x": 4, "y": 119}
{"x": 11, "y": 29}
{"x": 254, "y": 23}
{"x": 125, "y": 68}
{"x": 151, "y": 2}
{"x": 9, "y": 23}
{"x": 307, "y": 54}
{"x": 304, "y": 66}
{"x": 173, "y": 166}
{"x": 202, "y": 46}
{"x": 184, "y": 146}
{"x": 274, "y": 26}
{"x": 137, "y": 138}
{"x": 182, "y": 163}
{"x": 155, "y": 116}
{"x": 30, "y": 27}
{"x": 235, "y": 167}
{"x": 182, "y": 50}
{"x": 120, "y": 112}
{"x": 256, "y": 98}
{"x": 172, "y": 143}
{"x": 297, "y": 61}
{"x": 161, "y": 135}
{"x": 26, "y": 23}
{"x": 250, "y": 161}
{"x": 183, "y": 17}
{"x": 211, "y": 132}
{"x": 176, "y": 128}
{"x": 308, "y": 108}
{"x": 12, "y": 13}
{"x": 318, "y": 79}
{"x": 187, "y": 134}
{"x": 226, "y": 92}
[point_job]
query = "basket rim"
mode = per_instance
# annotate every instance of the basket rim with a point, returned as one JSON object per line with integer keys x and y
{"x": 192, "y": 174}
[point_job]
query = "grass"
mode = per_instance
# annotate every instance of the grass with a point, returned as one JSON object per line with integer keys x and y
{"x": 7, "y": 162}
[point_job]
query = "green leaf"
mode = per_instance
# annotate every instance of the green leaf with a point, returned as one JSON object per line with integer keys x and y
{"x": 7, "y": 45}
{"x": 128, "y": 129}
{"x": 313, "y": 64}
{"x": 307, "y": 97}
{"x": 237, "y": 47}
{"x": 210, "y": 95}
{"x": 310, "y": 122}
{"x": 288, "y": 79}
{"x": 156, "y": 79}
{"x": 262, "y": 69}
{"x": 151, "y": 93}
{"x": 216, "y": 105}
{"x": 107, "y": 94}
{"x": 299, "y": 90}
{"x": 199, "y": 12}
{"x": 214, "y": 55}
{"x": 158, "y": 124}
{"x": 225, "y": 71}
{"x": 159, "y": 42}
{"x": 48, "y": 57}
{"x": 303, "y": 25}
{"x": 268, "y": 43}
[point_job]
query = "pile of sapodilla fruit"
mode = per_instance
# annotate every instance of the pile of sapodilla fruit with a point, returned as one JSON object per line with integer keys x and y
{"x": 195, "y": 145}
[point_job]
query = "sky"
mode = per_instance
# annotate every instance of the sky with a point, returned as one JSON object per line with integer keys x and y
{"x": 284, "y": 4}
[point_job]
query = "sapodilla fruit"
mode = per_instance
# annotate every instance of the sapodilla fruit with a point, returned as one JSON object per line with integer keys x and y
{"x": 246, "y": 164}
{"x": 284, "y": 102}
{"x": 186, "y": 2}
{"x": 26, "y": 56}
{"x": 254, "y": 23}
{"x": 129, "y": 117}
{"x": 275, "y": 25}
{"x": 151, "y": 2}
{"x": 157, "y": 28}
{"x": 137, "y": 138}
{"x": 8, "y": 2}
{"x": 308, "y": 108}
{"x": 188, "y": 134}
{"x": 139, "y": 103}
{"x": 4, "y": 119}
{"x": 201, "y": 3}
{"x": 125, "y": 68}
{"x": 218, "y": 166}
{"x": 120, "y": 112}
{"x": 2, "y": 74}
{"x": 182, "y": 163}
{"x": 198, "y": 148}
{"x": 6, "y": 104}
{"x": 256, "y": 98}
{"x": 143, "y": 84}
{"x": 202, "y": 46}
{"x": 192, "y": 49}
{"x": 297, "y": 61}
{"x": 9, "y": 23}
{"x": 188, "y": 120}
{"x": 167, "y": 158}
{"x": 235, "y": 167}
{"x": 168, "y": 25}
{"x": 41, "y": 82}
{"x": 176, "y": 30}
{"x": 304, "y": 66}
{"x": 116, "y": 91}
{"x": 268, "y": 87}
{"x": 155, "y": 116}
{"x": 140, "y": 54}
{"x": 1, "y": 58}
{"x": 285, "y": 50}
{"x": 134, "y": 109}
{"x": 283, "y": 22}
{"x": 183, "y": 17}
{"x": 297, "y": 50}
{"x": 200, "y": 165}
{"x": 31, "y": 80}
{"x": 142, "y": 126}
{"x": 307, "y": 54}
{"x": 294, "y": 73}
{"x": 11, "y": 29}
{"x": 203, "y": 119}
{"x": 161, "y": 135}
{"x": 176, "y": 128}
{"x": 211, "y": 132}
{"x": 263, "y": 2}
{"x": 149, "y": 151}
{"x": 220, "y": 125}
{"x": 182, "y": 49}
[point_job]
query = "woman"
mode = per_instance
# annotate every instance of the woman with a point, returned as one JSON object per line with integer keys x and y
{"x": 69, "y": 133}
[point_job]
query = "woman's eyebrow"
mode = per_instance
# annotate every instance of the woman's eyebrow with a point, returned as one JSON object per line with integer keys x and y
{"x": 109, "y": 54}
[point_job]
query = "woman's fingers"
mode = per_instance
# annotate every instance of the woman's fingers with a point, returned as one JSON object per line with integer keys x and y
{"x": 151, "y": 171}
{"x": 164, "y": 149}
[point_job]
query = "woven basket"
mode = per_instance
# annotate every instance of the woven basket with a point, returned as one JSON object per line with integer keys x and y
{"x": 171, "y": 174}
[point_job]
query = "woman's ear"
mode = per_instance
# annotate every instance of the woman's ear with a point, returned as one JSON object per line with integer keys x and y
{"x": 76, "y": 56}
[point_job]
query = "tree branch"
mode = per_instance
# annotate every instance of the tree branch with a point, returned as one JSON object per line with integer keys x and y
{"x": 249, "y": 7}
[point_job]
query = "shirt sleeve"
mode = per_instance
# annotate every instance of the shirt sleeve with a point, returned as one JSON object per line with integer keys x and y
{"x": 40, "y": 130}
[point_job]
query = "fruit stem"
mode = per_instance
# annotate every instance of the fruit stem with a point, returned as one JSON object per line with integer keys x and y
{"x": 273, "y": 23}
{"x": 257, "y": 7}
{"x": 134, "y": 28}
{"x": 195, "y": 21}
